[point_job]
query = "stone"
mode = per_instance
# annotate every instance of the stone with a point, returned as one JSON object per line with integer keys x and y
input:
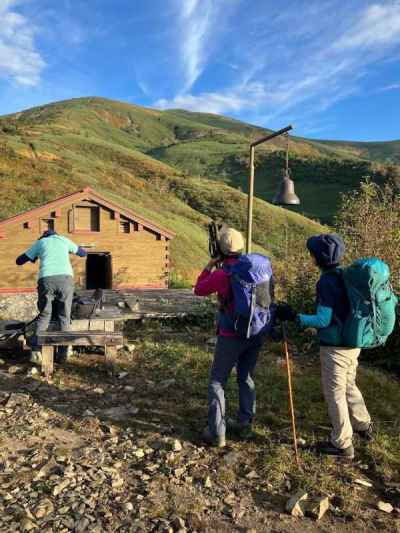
{"x": 139, "y": 453}
{"x": 15, "y": 369}
{"x": 208, "y": 483}
{"x": 34, "y": 371}
{"x": 386, "y": 507}
{"x": 301, "y": 442}
{"x": 166, "y": 383}
{"x": 61, "y": 486}
{"x": 2, "y": 362}
{"x": 44, "y": 508}
{"x": 119, "y": 412}
{"x": 129, "y": 388}
{"x": 88, "y": 412}
{"x": 122, "y": 375}
{"x": 231, "y": 458}
{"x": 117, "y": 483}
{"x": 252, "y": 475}
{"x": 128, "y": 506}
{"x": 27, "y": 524}
{"x": 17, "y": 398}
{"x": 178, "y": 523}
{"x": 130, "y": 347}
{"x": 177, "y": 446}
{"x": 82, "y": 525}
{"x": 363, "y": 482}
{"x": 51, "y": 467}
{"x": 98, "y": 390}
{"x": 319, "y": 507}
{"x": 296, "y": 504}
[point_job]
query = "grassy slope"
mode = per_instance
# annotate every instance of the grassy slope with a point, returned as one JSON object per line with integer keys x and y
{"x": 198, "y": 144}
{"x": 48, "y": 151}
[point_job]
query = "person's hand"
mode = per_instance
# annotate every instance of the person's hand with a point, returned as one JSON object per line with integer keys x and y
{"x": 312, "y": 332}
{"x": 285, "y": 313}
{"x": 212, "y": 263}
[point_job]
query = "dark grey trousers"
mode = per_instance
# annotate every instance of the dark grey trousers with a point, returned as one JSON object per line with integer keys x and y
{"x": 231, "y": 352}
{"x": 60, "y": 291}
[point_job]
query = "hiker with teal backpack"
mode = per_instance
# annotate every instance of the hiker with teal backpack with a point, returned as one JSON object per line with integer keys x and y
{"x": 356, "y": 308}
{"x": 244, "y": 285}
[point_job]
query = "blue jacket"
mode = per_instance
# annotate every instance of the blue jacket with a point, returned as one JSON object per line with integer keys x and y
{"x": 332, "y": 302}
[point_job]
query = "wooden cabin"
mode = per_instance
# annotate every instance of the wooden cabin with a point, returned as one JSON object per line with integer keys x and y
{"x": 124, "y": 249}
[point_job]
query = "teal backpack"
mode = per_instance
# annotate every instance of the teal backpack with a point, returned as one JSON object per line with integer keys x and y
{"x": 372, "y": 304}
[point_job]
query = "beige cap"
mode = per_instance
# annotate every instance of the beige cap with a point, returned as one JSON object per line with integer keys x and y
{"x": 230, "y": 241}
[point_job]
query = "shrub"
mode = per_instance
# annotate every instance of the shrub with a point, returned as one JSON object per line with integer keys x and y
{"x": 369, "y": 222}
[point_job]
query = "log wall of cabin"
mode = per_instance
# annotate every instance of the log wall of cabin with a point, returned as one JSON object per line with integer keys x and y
{"x": 139, "y": 258}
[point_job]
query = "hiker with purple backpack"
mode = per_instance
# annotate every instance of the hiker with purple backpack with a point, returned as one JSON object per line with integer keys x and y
{"x": 245, "y": 288}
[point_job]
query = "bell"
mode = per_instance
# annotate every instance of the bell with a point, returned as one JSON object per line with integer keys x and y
{"x": 286, "y": 194}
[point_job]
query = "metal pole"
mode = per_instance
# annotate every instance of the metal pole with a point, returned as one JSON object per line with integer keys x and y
{"x": 250, "y": 201}
{"x": 290, "y": 391}
{"x": 251, "y": 182}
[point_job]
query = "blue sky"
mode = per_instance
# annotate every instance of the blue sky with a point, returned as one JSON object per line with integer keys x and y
{"x": 331, "y": 67}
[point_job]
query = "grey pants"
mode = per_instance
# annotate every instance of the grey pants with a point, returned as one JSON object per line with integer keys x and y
{"x": 57, "y": 289}
{"x": 230, "y": 352}
{"x": 346, "y": 406}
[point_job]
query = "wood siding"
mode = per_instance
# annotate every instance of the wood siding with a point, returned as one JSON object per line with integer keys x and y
{"x": 139, "y": 258}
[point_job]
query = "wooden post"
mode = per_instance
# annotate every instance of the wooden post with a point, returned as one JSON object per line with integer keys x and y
{"x": 48, "y": 361}
{"x": 250, "y": 201}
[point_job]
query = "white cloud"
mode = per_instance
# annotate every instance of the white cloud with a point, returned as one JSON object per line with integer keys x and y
{"x": 391, "y": 87}
{"x": 196, "y": 23}
{"x": 229, "y": 101}
{"x": 282, "y": 70}
{"x": 19, "y": 59}
{"x": 200, "y": 26}
{"x": 379, "y": 26}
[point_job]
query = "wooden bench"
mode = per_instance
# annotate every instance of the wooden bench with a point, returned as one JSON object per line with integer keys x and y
{"x": 49, "y": 339}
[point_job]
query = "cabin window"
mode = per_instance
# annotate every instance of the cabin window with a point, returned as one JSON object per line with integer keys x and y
{"x": 87, "y": 218}
{"x": 124, "y": 226}
{"x": 46, "y": 224}
{"x": 28, "y": 225}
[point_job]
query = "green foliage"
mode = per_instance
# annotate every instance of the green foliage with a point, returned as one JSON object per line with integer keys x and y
{"x": 369, "y": 221}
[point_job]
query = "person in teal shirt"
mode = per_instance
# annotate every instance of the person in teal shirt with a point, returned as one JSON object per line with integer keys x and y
{"x": 55, "y": 281}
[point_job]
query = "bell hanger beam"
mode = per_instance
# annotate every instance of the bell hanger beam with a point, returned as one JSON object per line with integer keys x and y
{"x": 251, "y": 181}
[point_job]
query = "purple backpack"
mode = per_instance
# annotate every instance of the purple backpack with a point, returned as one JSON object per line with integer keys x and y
{"x": 252, "y": 285}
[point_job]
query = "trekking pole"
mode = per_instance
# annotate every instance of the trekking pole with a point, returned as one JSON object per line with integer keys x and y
{"x": 289, "y": 373}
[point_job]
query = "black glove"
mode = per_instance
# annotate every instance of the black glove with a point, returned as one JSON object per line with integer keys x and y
{"x": 285, "y": 313}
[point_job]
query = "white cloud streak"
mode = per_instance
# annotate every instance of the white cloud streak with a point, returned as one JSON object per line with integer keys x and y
{"x": 19, "y": 59}
{"x": 334, "y": 51}
{"x": 196, "y": 21}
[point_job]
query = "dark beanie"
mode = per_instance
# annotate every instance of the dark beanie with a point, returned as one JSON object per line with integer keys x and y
{"x": 328, "y": 249}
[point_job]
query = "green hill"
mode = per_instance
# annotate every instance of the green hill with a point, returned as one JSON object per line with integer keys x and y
{"x": 75, "y": 134}
{"x": 55, "y": 149}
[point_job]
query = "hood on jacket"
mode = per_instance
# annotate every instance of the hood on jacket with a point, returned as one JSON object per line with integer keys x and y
{"x": 328, "y": 249}
{"x": 48, "y": 233}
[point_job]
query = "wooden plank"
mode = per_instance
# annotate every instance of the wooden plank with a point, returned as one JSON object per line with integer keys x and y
{"x": 79, "y": 338}
{"x": 47, "y": 360}
{"x": 109, "y": 326}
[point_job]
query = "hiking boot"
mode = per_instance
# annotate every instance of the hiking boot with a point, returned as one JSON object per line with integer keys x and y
{"x": 243, "y": 431}
{"x": 209, "y": 439}
{"x": 36, "y": 357}
{"x": 368, "y": 433}
{"x": 327, "y": 448}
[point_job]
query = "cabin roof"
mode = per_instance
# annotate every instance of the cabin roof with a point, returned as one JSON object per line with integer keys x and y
{"x": 88, "y": 194}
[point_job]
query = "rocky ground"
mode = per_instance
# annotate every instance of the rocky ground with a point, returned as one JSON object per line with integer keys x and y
{"x": 98, "y": 451}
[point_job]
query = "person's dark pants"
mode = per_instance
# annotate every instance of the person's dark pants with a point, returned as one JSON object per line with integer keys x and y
{"x": 57, "y": 290}
{"x": 230, "y": 352}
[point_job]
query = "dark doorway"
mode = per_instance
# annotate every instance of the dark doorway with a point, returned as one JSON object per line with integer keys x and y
{"x": 98, "y": 271}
